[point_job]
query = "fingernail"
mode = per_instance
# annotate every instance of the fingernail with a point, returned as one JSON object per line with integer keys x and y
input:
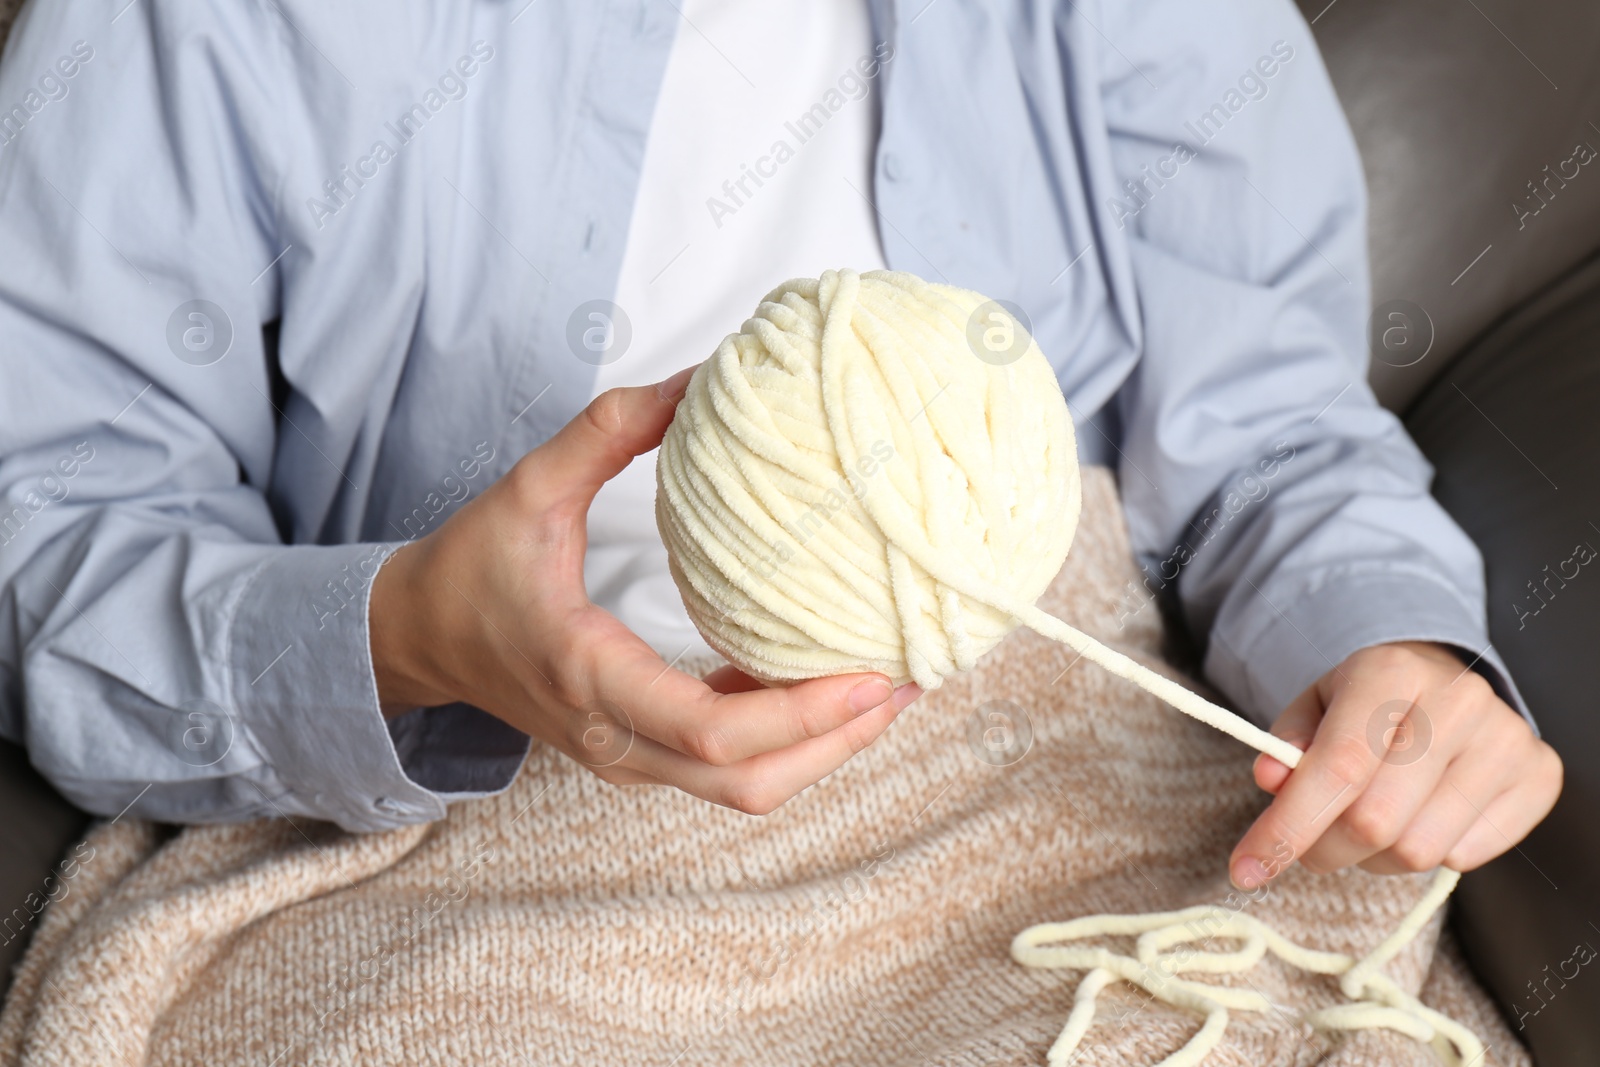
{"x": 1247, "y": 873}
{"x": 675, "y": 385}
{"x": 869, "y": 694}
{"x": 905, "y": 694}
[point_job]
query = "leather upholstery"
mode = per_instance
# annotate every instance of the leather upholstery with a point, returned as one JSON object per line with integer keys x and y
{"x": 1511, "y": 429}
{"x": 1450, "y": 104}
{"x": 36, "y": 827}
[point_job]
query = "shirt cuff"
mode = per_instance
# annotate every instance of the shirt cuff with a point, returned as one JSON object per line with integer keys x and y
{"x": 1270, "y": 650}
{"x": 302, "y": 685}
{"x": 458, "y": 751}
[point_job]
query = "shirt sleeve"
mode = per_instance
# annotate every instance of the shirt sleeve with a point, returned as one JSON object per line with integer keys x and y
{"x": 163, "y": 652}
{"x": 1268, "y": 494}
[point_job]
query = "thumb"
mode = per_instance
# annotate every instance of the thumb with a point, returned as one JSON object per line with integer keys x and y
{"x": 604, "y": 437}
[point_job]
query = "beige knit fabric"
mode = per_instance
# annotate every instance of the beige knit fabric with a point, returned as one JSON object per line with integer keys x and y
{"x": 868, "y": 921}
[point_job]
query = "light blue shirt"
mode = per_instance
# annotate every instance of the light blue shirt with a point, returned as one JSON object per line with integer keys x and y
{"x": 424, "y": 193}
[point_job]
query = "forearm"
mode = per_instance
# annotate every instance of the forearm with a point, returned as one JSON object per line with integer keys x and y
{"x": 1340, "y": 548}
{"x": 1286, "y": 513}
{"x": 199, "y": 679}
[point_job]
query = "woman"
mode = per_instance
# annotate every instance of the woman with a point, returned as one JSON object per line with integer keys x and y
{"x": 347, "y": 565}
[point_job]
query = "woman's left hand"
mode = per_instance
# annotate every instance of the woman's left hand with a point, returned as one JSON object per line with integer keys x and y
{"x": 1411, "y": 762}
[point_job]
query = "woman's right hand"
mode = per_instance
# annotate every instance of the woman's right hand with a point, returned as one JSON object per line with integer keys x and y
{"x": 490, "y": 609}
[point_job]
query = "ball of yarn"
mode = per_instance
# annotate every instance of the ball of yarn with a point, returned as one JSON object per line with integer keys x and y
{"x": 851, "y": 484}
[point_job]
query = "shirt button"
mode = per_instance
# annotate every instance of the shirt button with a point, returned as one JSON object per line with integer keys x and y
{"x": 891, "y": 166}
{"x": 388, "y": 807}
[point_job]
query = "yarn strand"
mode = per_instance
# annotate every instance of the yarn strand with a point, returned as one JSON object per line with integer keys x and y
{"x": 1377, "y": 1001}
{"x": 1186, "y": 701}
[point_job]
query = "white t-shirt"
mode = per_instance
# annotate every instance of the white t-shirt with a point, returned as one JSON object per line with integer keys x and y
{"x": 757, "y": 170}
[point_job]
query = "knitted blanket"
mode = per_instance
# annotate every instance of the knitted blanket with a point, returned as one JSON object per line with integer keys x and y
{"x": 868, "y": 921}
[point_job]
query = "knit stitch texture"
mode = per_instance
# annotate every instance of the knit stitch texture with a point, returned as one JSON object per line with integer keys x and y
{"x": 867, "y": 921}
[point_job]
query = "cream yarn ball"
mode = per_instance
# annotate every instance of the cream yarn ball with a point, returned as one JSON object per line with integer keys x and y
{"x": 848, "y": 487}
{"x": 858, "y": 481}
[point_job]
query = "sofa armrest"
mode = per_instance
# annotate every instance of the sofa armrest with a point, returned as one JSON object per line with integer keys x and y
{"x": 37, "y": 827}
{"x": 1513, "y": 430}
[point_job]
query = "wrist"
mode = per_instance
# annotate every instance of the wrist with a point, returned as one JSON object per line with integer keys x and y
{"x": 395, "y": 638}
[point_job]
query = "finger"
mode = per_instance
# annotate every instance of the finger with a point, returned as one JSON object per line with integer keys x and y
{"x": 1512, "y": 815}
{"x": 761, "y": 784}
{"x": 688, "y": 716}
{"x": 1394, "y": 799}
{"x": 1446, "y": 818}
{"x": 730, "y": 679}
{"x": 601, "y": 440}
{"x": 1508, "y": 819}
{"x": 1423, "y": 750}
{"x": 618, "y": 775}
{"x": 1470, "y": 790}
{"x": 1337, "y": 767}
{"x": 1297, "y": 725}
